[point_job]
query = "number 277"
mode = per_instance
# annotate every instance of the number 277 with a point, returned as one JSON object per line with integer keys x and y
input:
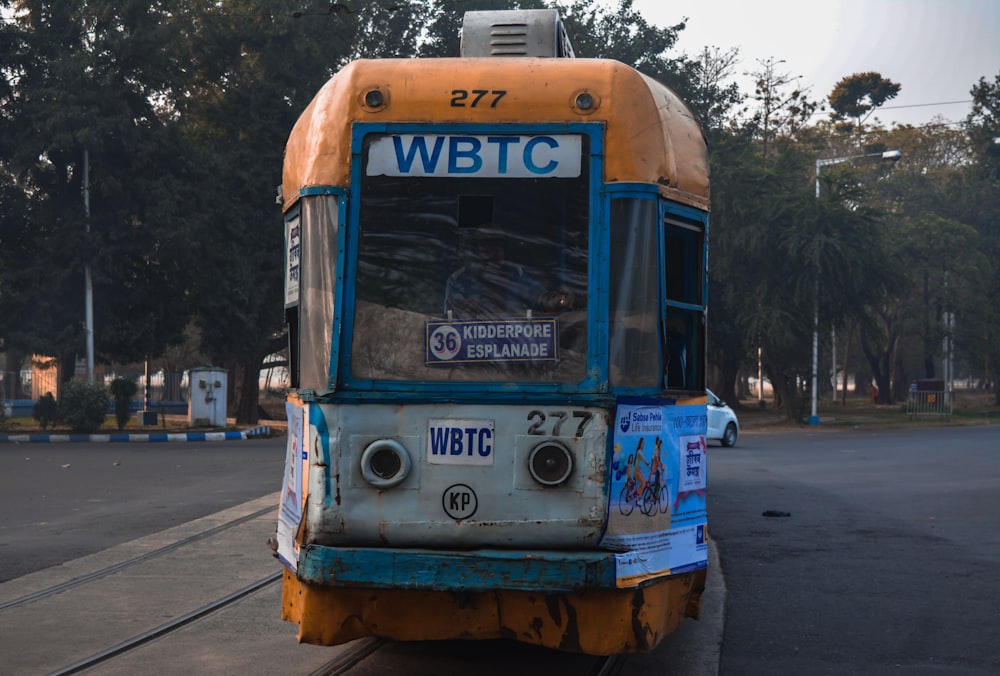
{"x": 559, "y": 417}
{"x": 464, "y": 98}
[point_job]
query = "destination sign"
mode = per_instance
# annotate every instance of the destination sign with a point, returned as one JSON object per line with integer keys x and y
{"x": 518, "y": 339}
{"x": 476, "y": 156}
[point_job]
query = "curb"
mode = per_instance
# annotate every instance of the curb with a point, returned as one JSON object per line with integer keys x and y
{"x": 263, "y": 431}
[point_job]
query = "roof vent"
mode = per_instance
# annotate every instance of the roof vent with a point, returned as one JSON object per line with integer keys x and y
{"x": 515, "y": 32}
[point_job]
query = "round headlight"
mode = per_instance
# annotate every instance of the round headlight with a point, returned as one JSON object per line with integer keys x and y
{"x": 385, "y": 463}
{"x": 550, "y": 463}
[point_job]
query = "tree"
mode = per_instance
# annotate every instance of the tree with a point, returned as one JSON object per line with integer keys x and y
{"x": 857, "y": 96}
{"x": 945, "y": 267}
{"x": 751, "y": 198}
{"x": 981, "y": 183}
{"x": 254, "y": 69}
{"x": 753, "y": 211}
{"x": 781, "y": 111}
{"x": 941, "y": 247}
{"x": 84, "y": 81}
{"x": 983, "y": 124}
{"x": 622, "y": 33}
{"x": 712, "y": 99}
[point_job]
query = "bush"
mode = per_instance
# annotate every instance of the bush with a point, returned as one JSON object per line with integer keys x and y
{"x": 83, "y": 407}
{"x": 123, "y": 389}
{"x": 46, "y": 410}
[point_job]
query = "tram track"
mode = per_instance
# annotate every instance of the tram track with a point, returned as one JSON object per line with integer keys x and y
{"x": 209, "y": 602}
{"x": 360, "y": 658}
{"x": 342, "y": 664}
{"x": 94, "y": 614}
{"x": 129, "y": 563}
{"x": 166, "y": 628}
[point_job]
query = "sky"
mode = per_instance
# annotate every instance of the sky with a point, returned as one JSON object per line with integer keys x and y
{"x": 937, "y": 50}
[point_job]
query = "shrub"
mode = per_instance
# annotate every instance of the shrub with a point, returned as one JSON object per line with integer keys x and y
{"x": 123, "y": 389}
{"x": 82, "y": 406}
{"x": 46, "y": 410}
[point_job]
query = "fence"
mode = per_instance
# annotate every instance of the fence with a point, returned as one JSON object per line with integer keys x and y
{"x": 13, "y": 386}
{"x": 20, "y": 390}
{"x": 928, "y": 397}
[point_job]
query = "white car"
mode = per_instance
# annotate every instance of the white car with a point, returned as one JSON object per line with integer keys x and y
{"x": 722, "y": 423}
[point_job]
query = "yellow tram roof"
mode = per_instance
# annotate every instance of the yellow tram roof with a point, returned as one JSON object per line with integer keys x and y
{"x": 651, "y": 135}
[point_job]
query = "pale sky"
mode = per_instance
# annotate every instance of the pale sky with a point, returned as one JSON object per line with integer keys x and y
{"x": 935, "y": 49}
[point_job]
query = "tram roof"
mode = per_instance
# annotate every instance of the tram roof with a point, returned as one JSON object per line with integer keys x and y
{"x": 651, "y": 135}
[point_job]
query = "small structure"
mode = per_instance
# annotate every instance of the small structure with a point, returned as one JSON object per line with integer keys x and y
{"x": 928, "y": 397}
{"x": 207, "y": 398}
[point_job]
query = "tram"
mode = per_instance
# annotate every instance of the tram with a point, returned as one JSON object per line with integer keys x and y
{"x": 495, "y": 293}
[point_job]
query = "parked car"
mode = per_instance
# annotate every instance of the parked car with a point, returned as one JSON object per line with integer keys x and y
{"x": 722, "y": 423}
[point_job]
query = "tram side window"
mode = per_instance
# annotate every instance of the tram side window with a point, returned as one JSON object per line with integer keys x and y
{"x": 683, "y": 325}
{"x": 683, "y": 245}
{"x": 316, "y": 283}
{"x": 633, "y": 348}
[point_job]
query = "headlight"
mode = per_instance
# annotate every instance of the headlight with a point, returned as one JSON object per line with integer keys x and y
{"x": 385, "y": 463}
{"x": 550, "y": 463}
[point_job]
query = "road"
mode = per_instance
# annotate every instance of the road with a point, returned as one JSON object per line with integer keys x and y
{"x": 888, "y": 563}
{"x": 888, "y": 560}
{"x": 61, "y": 501}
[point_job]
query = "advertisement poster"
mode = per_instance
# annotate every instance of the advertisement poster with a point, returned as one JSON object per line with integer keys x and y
{"x": 657, "y": 508}
{"x": 293, "y": 488}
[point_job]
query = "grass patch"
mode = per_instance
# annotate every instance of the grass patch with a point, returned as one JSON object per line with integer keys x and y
{"x": 970, "y": 408}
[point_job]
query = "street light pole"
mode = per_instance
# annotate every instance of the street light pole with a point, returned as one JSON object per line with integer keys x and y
{"x": 891, "y": 155}
{"x": 88, "y": 283}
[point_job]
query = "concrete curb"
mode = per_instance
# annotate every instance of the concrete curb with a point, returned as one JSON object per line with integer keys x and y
{"x": 152, "y": 437}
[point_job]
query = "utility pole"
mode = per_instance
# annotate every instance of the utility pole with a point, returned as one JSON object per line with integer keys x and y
{"x": 88, "y": 281}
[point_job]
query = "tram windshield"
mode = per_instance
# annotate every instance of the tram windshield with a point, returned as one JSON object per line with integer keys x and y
{"x": 472, "y": 279}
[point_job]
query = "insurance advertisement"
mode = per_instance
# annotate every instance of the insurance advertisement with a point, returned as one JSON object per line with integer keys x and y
{"x": 657, "y": 517}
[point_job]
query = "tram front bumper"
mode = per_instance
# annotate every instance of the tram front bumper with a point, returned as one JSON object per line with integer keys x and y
{"x": 476, "y": 570}
{"x": 560, "y": 600}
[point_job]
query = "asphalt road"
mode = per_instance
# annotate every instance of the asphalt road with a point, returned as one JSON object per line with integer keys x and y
{"x": 889, "y": 562}
{"x": 61, "y": 501}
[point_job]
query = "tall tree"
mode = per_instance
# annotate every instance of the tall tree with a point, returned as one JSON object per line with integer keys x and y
{"x": 83, "y": 82}
{"x": 783, "y": 110}
{"x": 945, "y": 267}
{"x": 713, "y": 96}
{"x": 255, "y": 68}
{"x": 857, "y": 96}
{"x": 982, "y": 186}
{"x": 749, "y": 201}
{"x": 941, "y": 243}
{"x": 983, "y": 124}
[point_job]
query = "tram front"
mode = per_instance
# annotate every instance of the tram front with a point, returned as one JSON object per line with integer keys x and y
{"x": 496, "y": 306}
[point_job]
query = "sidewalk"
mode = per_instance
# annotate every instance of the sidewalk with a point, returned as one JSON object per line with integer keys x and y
{"x": 263, "y": 431}
{"x": 174, "y": 429}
